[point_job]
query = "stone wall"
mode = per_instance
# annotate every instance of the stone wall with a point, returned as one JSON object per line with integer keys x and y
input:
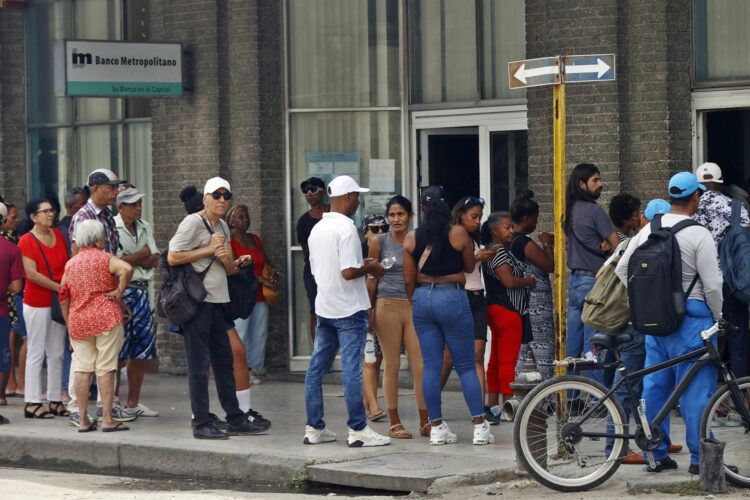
{"x": 230, "y": 123}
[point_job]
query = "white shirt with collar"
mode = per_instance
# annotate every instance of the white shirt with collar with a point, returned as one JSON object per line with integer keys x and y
{"x": 334, "y": 246}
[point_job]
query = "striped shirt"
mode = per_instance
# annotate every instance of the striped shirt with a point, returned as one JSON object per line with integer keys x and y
{"x": 513, "y": 299}
{"x": 91, "y": 211}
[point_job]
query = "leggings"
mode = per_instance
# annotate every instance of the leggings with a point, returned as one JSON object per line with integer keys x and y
{"x": 393, "y": 326}
{"x": 507, "y": 331}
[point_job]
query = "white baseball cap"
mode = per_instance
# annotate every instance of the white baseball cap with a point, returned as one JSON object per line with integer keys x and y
{"x": 343, "y": 184}
{"x": 214, "y": 184}
{"x": 709, "y": 172}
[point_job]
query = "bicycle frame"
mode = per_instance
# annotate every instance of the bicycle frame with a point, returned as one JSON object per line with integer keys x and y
{"x": 708, "y": 354}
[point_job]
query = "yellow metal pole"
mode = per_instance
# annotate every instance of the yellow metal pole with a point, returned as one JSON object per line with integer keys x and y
{"x": 559, "y": 209}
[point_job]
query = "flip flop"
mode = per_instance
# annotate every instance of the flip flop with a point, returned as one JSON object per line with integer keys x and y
{"x": 425, "y": 430}
{"x": 400, "y": 433}
{"x": 4, "y": 420}
{"x": 116, "y": 428}
{"x": 90, "y": 428}
{"x": 377, "y": 415}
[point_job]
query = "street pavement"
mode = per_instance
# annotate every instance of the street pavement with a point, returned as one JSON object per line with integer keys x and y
{"x": 164, "y": 446}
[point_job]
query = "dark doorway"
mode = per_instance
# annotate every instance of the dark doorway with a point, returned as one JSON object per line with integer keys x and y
{"x": 454, "y": 164}
{"x": 728, "y": 144}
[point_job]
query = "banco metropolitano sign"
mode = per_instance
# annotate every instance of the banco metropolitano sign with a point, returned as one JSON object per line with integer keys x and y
{"x": 118, "y": 69}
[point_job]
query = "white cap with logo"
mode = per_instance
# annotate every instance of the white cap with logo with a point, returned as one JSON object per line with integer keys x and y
{"x": 214, "y": 184}
{"x": 709, "y": 172}
{"x": 343, "y": 184}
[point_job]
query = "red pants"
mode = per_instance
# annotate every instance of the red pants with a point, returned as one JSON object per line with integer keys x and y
{"x": 507, "y": 331}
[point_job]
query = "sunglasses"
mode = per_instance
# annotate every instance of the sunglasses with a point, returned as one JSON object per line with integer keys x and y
{"x": 472, "y": 201}
{"x": 217, "y": 194}
{"x": 46, "y": 211}
{"x": 311, "y": 190}
{"x": 378, "y": 229}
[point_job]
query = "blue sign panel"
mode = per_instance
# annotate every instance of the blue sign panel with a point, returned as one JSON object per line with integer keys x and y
{"x": 589, "y": 68}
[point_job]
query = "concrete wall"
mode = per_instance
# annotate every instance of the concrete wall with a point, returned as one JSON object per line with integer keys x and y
{"x": 636, "y": 129}
{"x": 230, "y": 124}
{"x": 13, "y": 106}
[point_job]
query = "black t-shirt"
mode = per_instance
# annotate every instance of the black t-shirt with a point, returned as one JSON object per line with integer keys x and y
{"x": 304, "y": 226}
{"x": 518, "y": 247}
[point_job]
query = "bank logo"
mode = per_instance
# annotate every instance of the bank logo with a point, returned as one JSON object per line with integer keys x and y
{"x": 81, "y": 59}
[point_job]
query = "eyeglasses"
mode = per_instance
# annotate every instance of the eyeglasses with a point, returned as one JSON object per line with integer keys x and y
{"x": 218, "y": 194}
{"x": 471, "y": 200}
{"x": 378, "y": 229}
{"x": 46, "y": 211}
{"x": 311, "y": 190}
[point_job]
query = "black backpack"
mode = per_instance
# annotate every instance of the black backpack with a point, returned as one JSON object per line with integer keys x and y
{"x": 657, "y": 301}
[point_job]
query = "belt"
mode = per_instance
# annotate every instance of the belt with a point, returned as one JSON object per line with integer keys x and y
{"x": 581, "y": 272}
{"x": 475, "y": 293}
{"x": 140, "y": 285}
{"x": 443, "y": 284}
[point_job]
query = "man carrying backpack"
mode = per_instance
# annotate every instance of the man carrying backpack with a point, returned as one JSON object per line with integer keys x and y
{"x": 715, "y": 212}
{"x": 586, "y": 226}
{"x": 700, "y": 277}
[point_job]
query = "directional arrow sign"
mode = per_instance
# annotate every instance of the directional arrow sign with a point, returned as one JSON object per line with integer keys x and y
{"x": 589, "y": 68}
{"x": 534, "y": 72}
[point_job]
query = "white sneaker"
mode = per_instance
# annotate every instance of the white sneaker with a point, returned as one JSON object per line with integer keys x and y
{"x": 366, "y": 437}
{"x": 142, "y": 411}
{"x": 315, "y": 436}
{"x": 441, "y": 434}
{"x": 482, "y": 434}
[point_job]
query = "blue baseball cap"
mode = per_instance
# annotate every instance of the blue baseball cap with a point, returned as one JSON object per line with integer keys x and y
{"x": 656, "y": 207}
{"x": 683, "y": 184}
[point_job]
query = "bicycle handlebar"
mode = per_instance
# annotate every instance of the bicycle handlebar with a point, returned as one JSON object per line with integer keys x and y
{"x": 707, "y": 334}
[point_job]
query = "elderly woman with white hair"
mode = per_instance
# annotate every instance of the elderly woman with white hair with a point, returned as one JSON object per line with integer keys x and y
{"x": 91, "y": 300}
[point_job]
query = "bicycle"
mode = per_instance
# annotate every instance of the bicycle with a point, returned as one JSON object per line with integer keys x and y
{"x": 562, "y": 445}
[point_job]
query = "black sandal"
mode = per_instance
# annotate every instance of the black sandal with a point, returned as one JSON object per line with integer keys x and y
{"x": 34, "y": 413}
{"x": 58, "y": 409}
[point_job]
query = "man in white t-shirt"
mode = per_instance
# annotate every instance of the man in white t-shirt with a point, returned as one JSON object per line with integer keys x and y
{"x": 342, "y": 305}
{"x": 698, "y": 255}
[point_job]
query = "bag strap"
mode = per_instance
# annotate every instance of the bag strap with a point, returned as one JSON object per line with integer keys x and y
{"x": 49, "y": 270}
{"x": 736, "y": 211}
{"x": 674, "y": 230}
{"x": 590, "y": 250}
{"x": 423, "y": 258}
{"x": 203, "y": 273}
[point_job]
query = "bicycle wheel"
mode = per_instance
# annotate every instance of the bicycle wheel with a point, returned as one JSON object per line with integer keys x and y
{"x": 547, "y": 437}
{"x": 721, "y": 412}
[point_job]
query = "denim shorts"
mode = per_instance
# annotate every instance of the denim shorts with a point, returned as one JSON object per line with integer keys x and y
{"x": 478, "y": 305}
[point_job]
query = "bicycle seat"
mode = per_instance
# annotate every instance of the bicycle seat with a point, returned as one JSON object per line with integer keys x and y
{"x": 610, "y": 340}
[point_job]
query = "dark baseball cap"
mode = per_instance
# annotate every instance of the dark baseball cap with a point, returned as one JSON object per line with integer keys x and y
{"x": 104, "y": 176}
{"x": 432, "y": 193}
{"x": 313, "y": 182}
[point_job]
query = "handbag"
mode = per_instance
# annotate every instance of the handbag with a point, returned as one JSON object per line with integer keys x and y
{"x": 243, "y": 290}
{"x": 271, "y": 295}
{"x": 56, "y": 308}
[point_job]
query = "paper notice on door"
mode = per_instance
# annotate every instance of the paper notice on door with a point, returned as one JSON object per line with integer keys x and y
{"x": 382, "y": 175}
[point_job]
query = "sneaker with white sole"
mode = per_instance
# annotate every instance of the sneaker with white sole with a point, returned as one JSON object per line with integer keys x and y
{"x": 366, "y": 437}
{"x": 316, "y": 436}
{"x": 141, "y": 411}
{"x": 441, "y": 434}
{"x": 118, "y": 414}
{"x": 482, "y": 434}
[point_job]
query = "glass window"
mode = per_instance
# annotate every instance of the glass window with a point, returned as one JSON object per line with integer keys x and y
{"x": 503, "y": 40}
{"x": 52, "y": 170}
{"x": 48, "y": 21}
{"x": 443, "y": 42}
{"x": 99, "y": 146}
{"x": 722, "y": 40}
{"x": 509, "y": 163}
{"x": 138, "y": 165}
{"x": 374, "y": 136}
{"x": 343, "y": 53}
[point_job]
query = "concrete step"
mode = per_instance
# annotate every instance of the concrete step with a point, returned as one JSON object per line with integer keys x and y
{"x": 410, "y": 471}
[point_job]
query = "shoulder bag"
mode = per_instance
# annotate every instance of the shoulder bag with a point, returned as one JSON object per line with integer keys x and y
{"x": 56, "y": 308}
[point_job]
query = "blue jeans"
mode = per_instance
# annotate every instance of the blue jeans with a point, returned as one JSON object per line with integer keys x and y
{"x": 578, "y": 342}
{"x": 253, "y": 332}
{"x": 442, "y": 316}
{"x": 349, "y": 334}
{"x": 658, "y": 386}
{"x": 633, "y": 355}
{"x": 66, "y": 364}
{"x": 4, "y": 344}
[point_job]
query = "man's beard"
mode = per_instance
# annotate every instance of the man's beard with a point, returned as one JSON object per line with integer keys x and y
{"x": 596, "y": 194}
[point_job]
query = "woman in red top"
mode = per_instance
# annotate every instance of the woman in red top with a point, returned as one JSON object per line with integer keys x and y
{"x": 254, "y": 330}
{"x": 44, "y": 335}
{"x": 91, "y": 300}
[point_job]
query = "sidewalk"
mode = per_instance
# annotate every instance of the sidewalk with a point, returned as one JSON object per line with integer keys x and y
{"x": 164, "y": 446}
